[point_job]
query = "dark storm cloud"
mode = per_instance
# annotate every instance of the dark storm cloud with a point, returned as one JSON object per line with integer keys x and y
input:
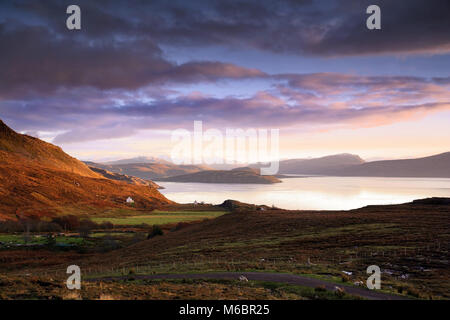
{"x": 119, "y": 45}
{"x": 324, "y": 28}
{"x": 329, "y": 27}
{"x": 34, "y": 59}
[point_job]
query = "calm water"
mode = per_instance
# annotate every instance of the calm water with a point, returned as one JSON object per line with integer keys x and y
{"x": 313, "y": 192}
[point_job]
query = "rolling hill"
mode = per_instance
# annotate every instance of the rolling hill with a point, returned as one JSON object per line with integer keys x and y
{"x": 142, "y": 159}
{"x": 437, "y": 166}
{"x": 319, "y": 165}
{"x": 239, "y": 175}
{"x": 125, "y": 178}
{"x": 38, "y": 178}
{"x": 307, "y": 242}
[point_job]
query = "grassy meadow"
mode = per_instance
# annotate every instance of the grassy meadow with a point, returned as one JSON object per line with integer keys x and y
{"x": 160, "y": 217}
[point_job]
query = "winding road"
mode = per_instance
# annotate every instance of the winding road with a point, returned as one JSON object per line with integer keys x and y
{"x": 271, "y": 277}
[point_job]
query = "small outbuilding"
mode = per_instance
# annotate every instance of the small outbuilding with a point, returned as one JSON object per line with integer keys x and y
{"x": 130, "y": 200}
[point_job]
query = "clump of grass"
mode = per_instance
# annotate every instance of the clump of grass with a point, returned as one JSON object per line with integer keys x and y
{"x": 410, "y": 291}
{"x": 400, "y": 289}
{"x": 413, "y": 292}
{"x": 318, "y": 293}
{"x": 340, "y": 293}
{"x": 320, "y": 289}
{"x": 345, "y": 278}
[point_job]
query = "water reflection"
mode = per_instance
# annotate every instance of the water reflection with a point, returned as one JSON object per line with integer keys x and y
{"x": 318, "y": 193}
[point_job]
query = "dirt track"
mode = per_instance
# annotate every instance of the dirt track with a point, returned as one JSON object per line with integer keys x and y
{"x": 272, "y": 277}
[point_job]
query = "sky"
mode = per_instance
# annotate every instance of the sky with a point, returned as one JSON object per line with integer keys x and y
{"x": 138, "y": 70}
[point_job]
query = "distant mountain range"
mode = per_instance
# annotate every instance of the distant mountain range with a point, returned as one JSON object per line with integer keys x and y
{"x": 319, "y": 165}
{"x": 437, "y": 166}
{"x": 141, "y": 159}
{"x": 239, "y": 175}
{"x": 40, "y": 179}
{"x": 166, "y": 171}
{"x": 345, "y": 164}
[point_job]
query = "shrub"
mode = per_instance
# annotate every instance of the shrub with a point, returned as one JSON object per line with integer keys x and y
{"x": 413, "y": 292}
{"x": 339, "y": 292}
{"x": 345, "y": 278}
{"x": 180, "y": 225}
{"x": 400, "y": 289}
{"x": 52, "y": 227}
{"x": 11, "y": 226}
{"x": 29, "y": 226}
{"x": 69, "y": 222}
{"x": 156, "y": 231}
{"x": 84, "y": 231}
{"x": 320, "y": 289}
{"x": 87, "y": 223}
{"x": 51, "y": 240}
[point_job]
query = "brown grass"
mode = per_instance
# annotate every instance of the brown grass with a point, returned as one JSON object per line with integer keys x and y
{"x": 409, "y": 242}
{"x": 55, "y": 289}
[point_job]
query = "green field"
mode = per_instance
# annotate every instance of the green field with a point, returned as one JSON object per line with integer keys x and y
{"x": 161, "y": 217}
{"x": 37, "y": 239}
{"x": 111, "y": 234}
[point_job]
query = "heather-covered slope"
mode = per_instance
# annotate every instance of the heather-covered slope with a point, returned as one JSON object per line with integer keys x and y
{"x": 38, "y": 178}
{"x": 45, "y": 153}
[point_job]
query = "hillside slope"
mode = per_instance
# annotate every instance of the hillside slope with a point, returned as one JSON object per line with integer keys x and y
{"x": 289, "y": 241}
{"x": 319, "y": 165}
{"x": 45, "y": 153}
{"x": 125, "y": 178}
{"x": 38, "y": 178}
{"x": 141, "y": 159}
{"x": 238, "y": 175}
{"x": 437, "y": 166}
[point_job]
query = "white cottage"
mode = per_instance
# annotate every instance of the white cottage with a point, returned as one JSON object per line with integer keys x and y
{"x": 130, "y": 200}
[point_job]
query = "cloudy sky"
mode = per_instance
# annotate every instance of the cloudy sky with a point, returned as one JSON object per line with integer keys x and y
{"x": 139, "y": 69}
